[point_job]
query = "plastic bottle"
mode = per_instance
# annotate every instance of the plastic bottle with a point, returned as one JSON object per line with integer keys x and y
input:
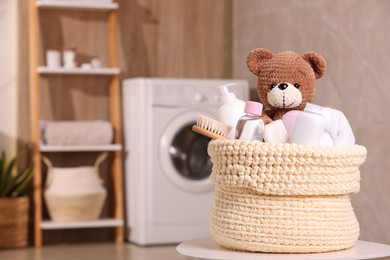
{"x": 289, "y": 120}
{"x": 231, "y": 110}
{"x": 309, "y": 126}
{"x": 250, "y": 127}
{"x": 275, "y": 132}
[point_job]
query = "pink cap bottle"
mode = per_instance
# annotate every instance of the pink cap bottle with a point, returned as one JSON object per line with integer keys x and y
{"x": 250, "y": 127}
{"x": 253, "y": 108}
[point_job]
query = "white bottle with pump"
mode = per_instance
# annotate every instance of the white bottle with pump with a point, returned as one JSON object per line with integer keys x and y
{"x": 309, "y": 126}
{"x": 232, "y": 109}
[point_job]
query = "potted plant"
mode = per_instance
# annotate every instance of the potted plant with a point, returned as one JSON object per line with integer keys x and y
{"x": 14, "y": 203}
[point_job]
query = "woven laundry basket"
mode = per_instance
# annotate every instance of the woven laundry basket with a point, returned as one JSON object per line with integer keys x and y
{"x": 74, "y": 193}
{"x": 284, "y": 198}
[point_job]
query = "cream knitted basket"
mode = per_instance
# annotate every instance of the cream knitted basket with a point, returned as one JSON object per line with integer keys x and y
{"x": 284, "y": 198}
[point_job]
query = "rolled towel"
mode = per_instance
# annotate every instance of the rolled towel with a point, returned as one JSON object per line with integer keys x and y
{"x": 76, "y": 132}
{"x": 337, "y": 128}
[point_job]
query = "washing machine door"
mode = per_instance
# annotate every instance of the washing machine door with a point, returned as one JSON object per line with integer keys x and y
{"x": 184, "y": 155}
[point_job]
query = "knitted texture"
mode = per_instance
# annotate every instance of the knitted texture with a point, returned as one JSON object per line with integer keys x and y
{"x": 284, "y": 197}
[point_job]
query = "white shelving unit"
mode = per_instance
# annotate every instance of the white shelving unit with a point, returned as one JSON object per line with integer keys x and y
{"x": 100, "y": 223}
{"x": 51, "y": 4}
{"x": 80, "y": 148}
{"x": 98, "y": 71}
{"x": 112, "y": 72}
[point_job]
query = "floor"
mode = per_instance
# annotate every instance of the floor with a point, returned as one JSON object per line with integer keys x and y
{"x": 100, "y": 251}
{"x": 93, "y": 251}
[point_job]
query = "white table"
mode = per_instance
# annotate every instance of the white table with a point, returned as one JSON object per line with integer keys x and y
{"x": 207, "y": 248}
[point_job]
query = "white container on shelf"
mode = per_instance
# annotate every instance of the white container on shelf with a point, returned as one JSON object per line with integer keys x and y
{"x": 69, "y": 58}
{"x": 53, "y": 59}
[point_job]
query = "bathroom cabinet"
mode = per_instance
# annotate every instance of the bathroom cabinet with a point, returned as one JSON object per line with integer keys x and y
{"x": 37, "y": 71}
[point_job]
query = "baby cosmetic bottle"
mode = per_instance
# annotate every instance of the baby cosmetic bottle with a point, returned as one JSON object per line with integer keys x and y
{"x": 275, "y": 132}
{"x": 309, "y": 126}
{"x": 289, "y": 120}
{"x": 231, "y": 110}
{"x": 250, "y": 127}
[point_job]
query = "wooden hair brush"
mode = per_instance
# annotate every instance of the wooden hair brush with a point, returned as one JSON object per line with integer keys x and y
{"x": 210, "y": 127}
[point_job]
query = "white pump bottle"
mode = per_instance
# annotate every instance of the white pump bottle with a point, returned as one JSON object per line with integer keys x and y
{"x": 232, "y": 109}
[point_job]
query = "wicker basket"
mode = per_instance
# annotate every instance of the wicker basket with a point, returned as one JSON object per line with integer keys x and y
{"x": 284, "y": 198}
{"x": 74, "y": 193}
{"x": 13, "y": 222}
{"x": 75, "y": 208}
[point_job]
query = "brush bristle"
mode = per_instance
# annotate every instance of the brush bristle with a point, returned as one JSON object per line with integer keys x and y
{"x": 213, "y": 125}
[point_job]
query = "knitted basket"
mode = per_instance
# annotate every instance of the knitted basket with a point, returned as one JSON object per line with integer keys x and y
{"x": 284, "y": 198}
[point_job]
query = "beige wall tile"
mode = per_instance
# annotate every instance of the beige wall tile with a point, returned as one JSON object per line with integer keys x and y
{"x": 353, "y": 36}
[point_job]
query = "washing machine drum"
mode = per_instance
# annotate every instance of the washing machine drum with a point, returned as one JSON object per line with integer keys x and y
{"x": 183, "y": 155}
{"x": 188, "y": 154}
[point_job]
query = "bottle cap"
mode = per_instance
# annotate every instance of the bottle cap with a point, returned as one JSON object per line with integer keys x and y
{"x": 225, "y": 94}
{"x": 252, "y": 107}
{"x": 313, "y": 108}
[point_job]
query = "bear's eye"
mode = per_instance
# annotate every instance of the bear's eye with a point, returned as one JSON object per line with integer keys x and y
{"x": 271, "y": 86}
{"x": 297, "y": 85}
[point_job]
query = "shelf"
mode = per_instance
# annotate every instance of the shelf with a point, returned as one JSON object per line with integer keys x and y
{"x": 98, "y": 5}
{"x": 37, "y": 73}
{"x": 100, "y": 71}
{"x": 79, "y": 148}
{"x": 100, "y": 223}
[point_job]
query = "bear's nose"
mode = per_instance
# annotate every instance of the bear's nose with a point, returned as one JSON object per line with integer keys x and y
{"x": 282, "y": 86}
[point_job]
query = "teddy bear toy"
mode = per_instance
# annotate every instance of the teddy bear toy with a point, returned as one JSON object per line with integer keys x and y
{"x": 286, "y": 80}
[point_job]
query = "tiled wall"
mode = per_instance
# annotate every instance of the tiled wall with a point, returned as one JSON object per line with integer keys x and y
{"x": 354, "y": 37}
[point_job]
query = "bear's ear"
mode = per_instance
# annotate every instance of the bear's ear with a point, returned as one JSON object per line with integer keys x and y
{"x": 255, "y": 57}
{"x": 317, "y": 62}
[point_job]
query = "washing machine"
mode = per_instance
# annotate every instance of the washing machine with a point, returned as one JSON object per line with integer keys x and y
{"x": 167, "y": 168}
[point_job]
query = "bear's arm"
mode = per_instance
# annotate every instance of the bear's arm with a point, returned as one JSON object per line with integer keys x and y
{"x": 267, "y": 116}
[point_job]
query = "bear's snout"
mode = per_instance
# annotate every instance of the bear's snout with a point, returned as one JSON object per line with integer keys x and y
{"x": 283, "y": 86}
{"x": 284, "y": 95}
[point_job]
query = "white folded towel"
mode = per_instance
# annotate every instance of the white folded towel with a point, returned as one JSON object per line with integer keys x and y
{"x": 337, "y": 130}
{"x": 76, "y": 132}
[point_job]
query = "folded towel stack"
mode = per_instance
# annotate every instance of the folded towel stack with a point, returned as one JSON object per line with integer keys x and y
{"x": 76, "y": 132}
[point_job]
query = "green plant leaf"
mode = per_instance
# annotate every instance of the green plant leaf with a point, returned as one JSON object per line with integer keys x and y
{"x": 21, "y": 181}
{"x": 12, "y": 183}
{"x": 2, "y": 163}
{"x": 7, "y": 181}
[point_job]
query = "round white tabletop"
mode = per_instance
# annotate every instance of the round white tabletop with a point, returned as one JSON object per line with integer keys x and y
{"x": 207, "y": 248}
